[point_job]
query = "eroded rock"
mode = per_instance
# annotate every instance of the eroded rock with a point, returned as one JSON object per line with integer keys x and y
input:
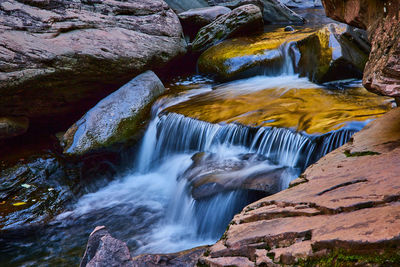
{"x": 381, "y": 20}
{"x": 244, "y": 19}
{"x": 58, "y": 58}
{"x": 116, "y": 118}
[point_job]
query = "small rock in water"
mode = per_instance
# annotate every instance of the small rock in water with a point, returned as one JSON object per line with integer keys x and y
{"x": 289, "y": 29}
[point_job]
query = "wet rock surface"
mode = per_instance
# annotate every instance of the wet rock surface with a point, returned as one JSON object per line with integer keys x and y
{"x": 209, "y": 175}
{"x": 333, "y": 53}
{"x": 244, "y": 19}
{"x": 58, "y": 58}
{"x": 381, "y": 20}
{"x": 347, "y": 204}
{"x": 116, "y": 118}
{"x": 33, "y": 191}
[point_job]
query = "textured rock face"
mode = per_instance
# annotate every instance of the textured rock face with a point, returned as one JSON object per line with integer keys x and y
{"x": 58, "y": 58}
{"x": 114, "y": 119}
{"x": 13, "y": 126}
{"x": 244, "y": 19}
{"x": 104, "y": 250}
{"x": 381, "y": 20}
{"x": 302, "y": 3}
{"x": 347, "y": 203}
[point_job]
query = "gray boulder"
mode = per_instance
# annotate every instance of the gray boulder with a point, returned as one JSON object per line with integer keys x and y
{"x": 302, "y": 3}
{"x": 116, "y": 118}
{"x": 58, "y": 58}
{"x": 194, "y": 19}
{"x": 273, "y": 11}
{"x": 104, "y": 250}
{"x": 244, "y": 19}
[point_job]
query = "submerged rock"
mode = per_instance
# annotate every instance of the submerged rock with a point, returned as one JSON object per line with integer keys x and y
{"x": 344, "y": 211}
{"x": 194, "y": 19}
{"x": 381, "y": 20}
{"x": 116, "y": 118}
{"x": 13, "y": 126}
{"x": 58, "y": 58}
{"x": 34, "y": 191}
{"x": 331, "y": 54}
{"x": 210, "y": 175}
{"x": 245, "y": 19}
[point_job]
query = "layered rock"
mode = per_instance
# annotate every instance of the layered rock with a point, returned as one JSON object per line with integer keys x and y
{"x": 342, "y": 210}
{"x": 58, "y": 58}
{"x": 244, "y": 19}
{"x": 381, "y": 20}
{"x": 116, "y": 118}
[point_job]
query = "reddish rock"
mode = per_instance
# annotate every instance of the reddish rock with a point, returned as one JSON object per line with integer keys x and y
{"x": 381, "y": 19}
{"x": 348, "y": 200}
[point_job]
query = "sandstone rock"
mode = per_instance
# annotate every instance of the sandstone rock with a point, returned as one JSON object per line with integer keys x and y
{"x": 13, "y": 126}
{"x": 331, "y": 54}
{"x": 381, "y": 20}
{"x": 194, "y": 19}
{"x": 116, "y": 118}
{"x": 349, "y": 205}
{"x": 104, "y": 250}
{"x": 273, "y": 10}
{"x": 244, "y": 19}
{"x": 58, "y": 58}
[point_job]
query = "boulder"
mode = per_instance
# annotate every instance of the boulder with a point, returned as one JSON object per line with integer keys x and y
{"x": 273, "y": 10}
{"x": 183, "y": 5}
{"x": 116, "y": 118}
{"x": 381, "y": 20}
{"x": 249, "y": 56}
{"x": 210, "y": 175}
{"x": 194, "y": 19}
{"x": 58, "y": 58}
{"x": 244, "y": 19}
{"x": 13, "y": 126}
{"x": 104, "y": 250}
{"x": 343, "y": 213}
{"x": 331, "y": 54}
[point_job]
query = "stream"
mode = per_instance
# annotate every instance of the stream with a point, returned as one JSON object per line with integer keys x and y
{"x": 205, "y": 155}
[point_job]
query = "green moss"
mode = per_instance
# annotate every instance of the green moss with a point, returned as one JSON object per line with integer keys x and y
{"x": 360, "y": 153}
{"x": 339, "y": 258}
